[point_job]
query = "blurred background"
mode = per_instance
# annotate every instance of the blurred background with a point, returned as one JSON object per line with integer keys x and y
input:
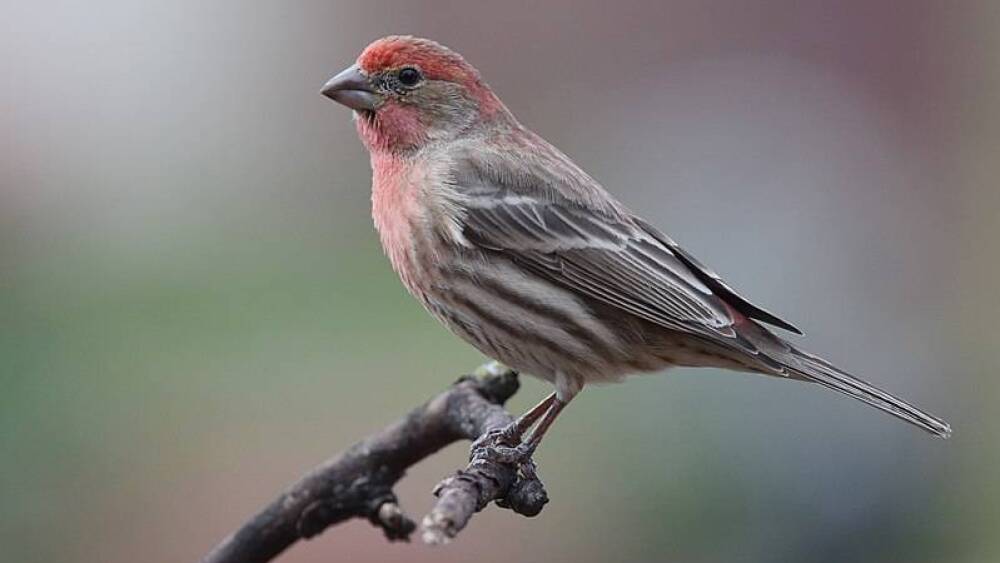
{"x": 194, "y": 308}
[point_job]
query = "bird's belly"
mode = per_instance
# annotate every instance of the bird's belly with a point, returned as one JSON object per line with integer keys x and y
{"x": 528, "y": 323}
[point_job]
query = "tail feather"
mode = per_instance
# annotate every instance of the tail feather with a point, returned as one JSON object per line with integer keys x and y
{"x": 805, "y": 366}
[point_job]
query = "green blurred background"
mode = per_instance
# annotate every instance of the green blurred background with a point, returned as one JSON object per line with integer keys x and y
{"x": 194, "y": 308}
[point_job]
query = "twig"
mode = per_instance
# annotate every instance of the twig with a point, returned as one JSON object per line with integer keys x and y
{"x": 357, "y": 483}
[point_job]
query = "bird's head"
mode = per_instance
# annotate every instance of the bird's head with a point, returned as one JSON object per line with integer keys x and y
{"x": 407, "y": 92}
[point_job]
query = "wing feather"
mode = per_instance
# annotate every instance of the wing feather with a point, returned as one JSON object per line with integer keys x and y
{"x": 579, "y": 237}
{"x": 718, "y": 285}
{"x": 612, "y": 261}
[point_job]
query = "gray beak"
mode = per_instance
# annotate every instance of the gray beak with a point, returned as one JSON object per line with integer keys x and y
{"x": 351, "y": 88}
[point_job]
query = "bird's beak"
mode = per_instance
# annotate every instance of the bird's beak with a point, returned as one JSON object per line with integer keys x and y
{"x": 352, "y": 88}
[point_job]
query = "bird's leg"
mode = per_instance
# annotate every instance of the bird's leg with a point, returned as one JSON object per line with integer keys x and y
{"x": 530, "y": 443}
{"x": 538, "y": 432}
{"x": 509, "y": 445}
{"x": 511, "y": 434}
{"x": 524, "y": 422}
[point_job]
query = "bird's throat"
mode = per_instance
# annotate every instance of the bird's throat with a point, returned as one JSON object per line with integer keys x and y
{"x": 391, "y": 128}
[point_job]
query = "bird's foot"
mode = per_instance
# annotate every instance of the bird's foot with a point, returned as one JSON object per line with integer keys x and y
{"x": 504, "y": 445}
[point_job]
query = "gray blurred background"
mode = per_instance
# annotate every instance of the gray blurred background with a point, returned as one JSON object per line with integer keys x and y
{"x": 194, "y": 308}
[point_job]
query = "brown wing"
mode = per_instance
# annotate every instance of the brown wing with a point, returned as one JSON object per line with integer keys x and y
{"x": 716, "y": 283}
{"x": 606, "y": 258}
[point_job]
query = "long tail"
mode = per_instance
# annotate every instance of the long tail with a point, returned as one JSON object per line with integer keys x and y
{"x": 805, "y": 366}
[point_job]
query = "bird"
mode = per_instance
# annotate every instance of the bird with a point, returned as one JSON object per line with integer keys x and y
{"x": 522, "y": 254}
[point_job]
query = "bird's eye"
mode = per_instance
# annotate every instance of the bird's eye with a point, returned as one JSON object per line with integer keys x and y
{"x": 409, "y": 76}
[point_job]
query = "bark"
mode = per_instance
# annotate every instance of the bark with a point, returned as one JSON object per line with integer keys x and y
{"x": 358, "y": 482}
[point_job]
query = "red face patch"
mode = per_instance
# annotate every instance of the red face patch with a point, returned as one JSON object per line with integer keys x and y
{"x": 401, "y": 124}
{"x": 436, "y": 61}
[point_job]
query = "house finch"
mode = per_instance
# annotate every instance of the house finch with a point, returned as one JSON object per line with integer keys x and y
{"x": 518, "y": 251}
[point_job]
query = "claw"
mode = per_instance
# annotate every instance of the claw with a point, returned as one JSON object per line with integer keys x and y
{"x": 497, "y": 437}
{"x": 499, "y": 454}
{"x": 509, "y": 445}
{"x": 529, "y": 469}
{"x": 502, "y": 445}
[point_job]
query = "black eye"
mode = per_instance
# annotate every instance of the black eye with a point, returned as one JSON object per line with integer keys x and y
{"x": 409, "y": 76}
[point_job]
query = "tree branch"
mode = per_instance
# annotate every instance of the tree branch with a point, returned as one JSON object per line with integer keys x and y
{"x": 357, "y": 483}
